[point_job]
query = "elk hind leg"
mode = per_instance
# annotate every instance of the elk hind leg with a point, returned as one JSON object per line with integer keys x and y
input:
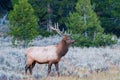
{"x": 49, "y": 68}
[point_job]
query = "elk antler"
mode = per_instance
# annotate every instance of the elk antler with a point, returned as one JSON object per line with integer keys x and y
{"x": 68, "y": 33}
{"x": 56, "y": 28}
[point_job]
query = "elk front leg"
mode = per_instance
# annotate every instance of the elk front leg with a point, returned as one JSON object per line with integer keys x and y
{"x": 26, "y": 68}
{"x": 57, "y": 68}
{"x": 49, "y": 68}
{"x": 31, "y": 67}
{"x": 29, "y": 62}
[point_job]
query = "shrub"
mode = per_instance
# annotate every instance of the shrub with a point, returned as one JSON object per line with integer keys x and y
{"x": 81, "y": 41}
{"x": 99, "y": 40}
{"x": 104, "y": 39}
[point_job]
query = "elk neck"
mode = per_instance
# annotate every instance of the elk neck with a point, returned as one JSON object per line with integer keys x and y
{"x": 62, "y": 48}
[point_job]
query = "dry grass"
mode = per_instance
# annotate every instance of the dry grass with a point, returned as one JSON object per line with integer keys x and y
{"x": 112, "y": 74}
{"x": 109, "y": 75}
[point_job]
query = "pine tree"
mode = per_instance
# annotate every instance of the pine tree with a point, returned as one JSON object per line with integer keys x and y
{"x": 59, "y": 10}
{"x": 23, "y": 22}
{"x": 109, "y": 13}
{"x": 85, "y": 24}
{"x": 84, "y": 20}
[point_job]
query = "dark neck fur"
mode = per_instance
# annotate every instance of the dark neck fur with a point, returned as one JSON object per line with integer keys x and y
{"x": 62, "y": 48}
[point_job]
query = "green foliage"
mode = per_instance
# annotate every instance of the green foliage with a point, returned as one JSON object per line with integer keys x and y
{"x": 107, "y": 10}
{"x": 99, "y": 40}
{"x": 109, "y": 13}
{"x": 15, "y": 2}
{"x": 81, "y": 41}
{"x": 84, "y": 19}
{"x": 59, "y": 10}
{"x": 44, "y": 33}
{"x": 104, "y": 39}
{"x": 23, "y": 23}
{"x": 85, "y": 26}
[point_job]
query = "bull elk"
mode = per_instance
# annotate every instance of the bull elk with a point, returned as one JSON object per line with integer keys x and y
{"x": 48, "y": 54}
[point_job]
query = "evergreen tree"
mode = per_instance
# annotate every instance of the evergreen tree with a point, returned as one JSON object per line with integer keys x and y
{"x": 109, "y": 13}
{"x": 23, "y": 22}
{"x": 84, "y": 21}
{"x": 84, "y": 24}
{"x": 59, "y": 10}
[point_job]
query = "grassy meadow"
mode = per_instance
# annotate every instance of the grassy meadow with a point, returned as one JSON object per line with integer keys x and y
{"x": 78, "y": 64}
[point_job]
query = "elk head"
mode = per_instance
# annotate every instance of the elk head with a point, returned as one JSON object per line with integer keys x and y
{"x": 66, "y": 36}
